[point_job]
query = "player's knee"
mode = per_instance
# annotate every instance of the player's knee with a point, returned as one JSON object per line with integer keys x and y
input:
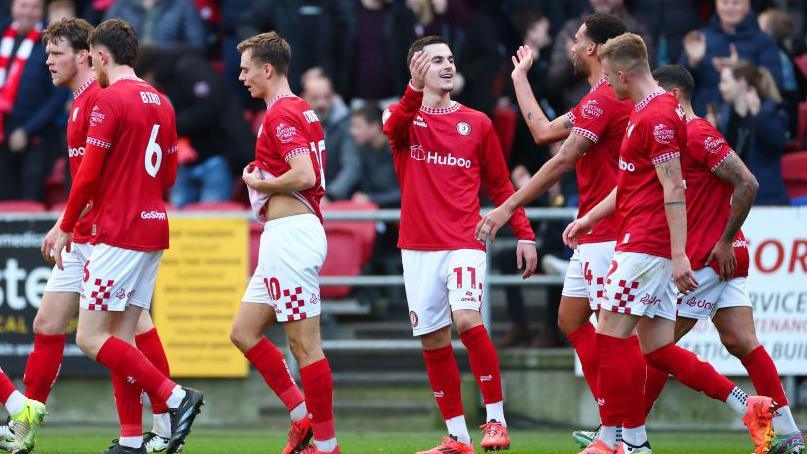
{"x": 88, "y": 342}
{"x": 48, "y": 325}
{"x": 436, "y": 339}
{"x": 740, "y": 344}
{"x": 567, "y": 324}
{"x": 305, "y": 350}
{"x": 465, "y": 320}
{"x": 242, "y": 339}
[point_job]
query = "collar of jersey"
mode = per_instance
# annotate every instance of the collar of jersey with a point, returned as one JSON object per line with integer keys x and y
{"x": 278, "y": 98}
{"x": 602, "y": 80}
{"x": 83, "y": 88}
{"x": 654, "y": 94}
{"x": 455, "y": 106}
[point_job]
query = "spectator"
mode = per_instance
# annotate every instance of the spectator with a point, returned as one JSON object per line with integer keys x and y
{"x": 378, "y": 184}
{"x": 754, "y": 126}
{"x": 208, "y": 116}
{"x": 376, "y": 64}
{"x": 29, "y": 104}
{"x": 779, "y": 25}
{"x": 732, "y": 33}
{"x": 313, "y": 28}
{"x": 564, "y": 82}
{"x": 60, "y": 9}
{"x": 668, "y": 22}
{"x": 162, "y": 23}
{"x": 343, "y": 167}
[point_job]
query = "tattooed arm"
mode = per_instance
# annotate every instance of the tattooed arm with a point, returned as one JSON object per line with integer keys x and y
{"x": 670, "y": 175}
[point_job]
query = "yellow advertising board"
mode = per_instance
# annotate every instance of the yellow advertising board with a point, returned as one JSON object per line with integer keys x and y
{"x": 199, "y": 288}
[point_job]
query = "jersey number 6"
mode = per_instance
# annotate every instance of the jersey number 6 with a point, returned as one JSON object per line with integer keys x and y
{"x": 154, "y": 153}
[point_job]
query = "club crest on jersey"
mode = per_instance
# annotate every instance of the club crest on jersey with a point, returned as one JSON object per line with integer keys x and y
{"x": 713, "y": 144}
{"x": 591, "y": 110}
{"x": 96, "y": 117}
{"x": 463, "y": 128}
{"x": 663, "y": 133}
{"x": 416, "y": 152}
{"x": 285, "y": 133}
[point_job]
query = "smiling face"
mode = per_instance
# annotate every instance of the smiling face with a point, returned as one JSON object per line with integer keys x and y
{"x": 440, "y": 75}
{"x": 63, "y": 61}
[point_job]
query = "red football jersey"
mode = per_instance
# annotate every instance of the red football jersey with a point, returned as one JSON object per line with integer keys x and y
{"x": 708, "y": 197}
{"x": 600, "y": 118}
{"x": 77, "y": 125}
{"x": 130, "y": 161}
{"x": 656, "y": 133}
{"x": 441, "y": 157}
{"x": 291, "y": 128}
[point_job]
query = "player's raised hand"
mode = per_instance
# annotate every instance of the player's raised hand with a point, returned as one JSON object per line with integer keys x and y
{"x": 526, "y": 256}
{"x": 723, "y": 252}
{"x": 492, "y": 222}
{"x": 522, "y": 62}
{"x": 683, "y": 276}
{"x": 64, "y": 242}
{"x": 47, "y": 245}
{"x": 576, "y": 228}
{"x": 418, "y": 68}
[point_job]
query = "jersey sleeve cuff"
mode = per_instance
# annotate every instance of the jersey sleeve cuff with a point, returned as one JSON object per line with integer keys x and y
{"x": 721, "y": 161}
{"x": 664, "y": 157}
{"x": 585, "y": 133}
{"x": 412, "y": 87}
{"x": 295, "y": 152}
{"x": 570, "y": 116}
{"x": 527, "y": 241}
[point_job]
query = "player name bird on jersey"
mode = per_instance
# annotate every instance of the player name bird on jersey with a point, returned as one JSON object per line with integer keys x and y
{"x": 655, "y": 134}
{"x": 708, "y": 197}
{"x": 130, "y": 156}
{"x": 290, "y": 128}
{"x": 441, "y": 157}
{"x": 601, "y": 118}
{"x": 77, "y": 125}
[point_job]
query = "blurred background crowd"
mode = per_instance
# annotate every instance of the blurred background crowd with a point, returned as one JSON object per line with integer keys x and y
{"x": 747, "y": 56}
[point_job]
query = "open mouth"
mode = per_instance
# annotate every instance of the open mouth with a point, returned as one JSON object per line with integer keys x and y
{"x": 447, "y": 76}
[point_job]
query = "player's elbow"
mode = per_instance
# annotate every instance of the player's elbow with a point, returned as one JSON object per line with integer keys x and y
{"x": 750, "y": 185}
{"x": 541, "y": 138}
{"x": 306, "y": 180}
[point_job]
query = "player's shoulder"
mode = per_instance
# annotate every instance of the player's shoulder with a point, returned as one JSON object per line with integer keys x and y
{"x": 471, "y": 116}
{"x": 701, "y": 133}
{"x": 291, "y": 109}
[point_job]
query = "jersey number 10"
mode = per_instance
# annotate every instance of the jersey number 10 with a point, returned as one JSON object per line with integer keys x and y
{"x": 317, "y": 149}
{"x": 154, "y": 153}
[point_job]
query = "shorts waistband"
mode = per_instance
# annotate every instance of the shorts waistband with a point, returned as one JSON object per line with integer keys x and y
{"x": 304, "y": 218}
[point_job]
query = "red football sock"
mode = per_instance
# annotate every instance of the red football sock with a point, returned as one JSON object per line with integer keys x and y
{"x": 43, "y": 365}
{"x": 764, "y": 376}
{"x": 444, "y": 376}
{"x": 584, "y": 341}
{"x": 130, "y": 407}
{"x": 635, "y": 415}
{"x": 151, "y": 347}
{"x": 123, "y": 359}
{"x": 270, "y": 363}
{"x": 318, "y": 386}
{"x": 6, "y": 387}
{"x": 656, "y": 379}
{"x": 690, "y": 371}
{"x": 484, "y": 363}
{"x": 615, "y": 386}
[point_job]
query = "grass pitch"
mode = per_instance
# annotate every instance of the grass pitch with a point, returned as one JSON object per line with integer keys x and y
{"x": 62, "y": 440}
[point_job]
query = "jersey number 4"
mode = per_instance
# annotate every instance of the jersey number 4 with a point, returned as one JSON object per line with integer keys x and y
{"x": 154, "y": 153}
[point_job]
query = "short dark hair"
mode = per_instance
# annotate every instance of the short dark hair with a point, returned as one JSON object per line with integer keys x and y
{"x": 420, "y": 43}
{"x": 675, "y": 76}
{"x": 602, "y": 27}
{"x": 268, "y": 48}
{"x": 74, "y": 30}
{"x": 370, "y": 112}
{"x": 119, "y": 37}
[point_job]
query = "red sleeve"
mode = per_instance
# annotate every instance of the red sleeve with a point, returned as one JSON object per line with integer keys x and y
{"x": 169, "y": 175}
{"x": 287, "y": 135}
{"x": 398, "y": 118}
{"x": 591, "y": 118}
{"x": 660, "y": 136}
{"x": 497, "y": 179}
{"x": 103, "y": 128}
{"x": 716, "y": 149}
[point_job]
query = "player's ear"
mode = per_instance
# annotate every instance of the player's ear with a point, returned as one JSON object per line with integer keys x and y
{"x": 268, "y": 70}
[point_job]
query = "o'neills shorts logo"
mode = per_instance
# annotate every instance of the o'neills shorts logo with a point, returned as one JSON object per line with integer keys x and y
{"x": 663, "y": 133}
{"x": 153, "y": 215}
{"x": 713, "y": 144}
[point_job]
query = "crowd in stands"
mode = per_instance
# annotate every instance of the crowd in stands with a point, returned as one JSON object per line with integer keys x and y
{"x": 747, "y": 56}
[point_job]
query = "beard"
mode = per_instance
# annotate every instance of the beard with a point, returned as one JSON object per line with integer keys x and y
{"x": 580, "y": 68}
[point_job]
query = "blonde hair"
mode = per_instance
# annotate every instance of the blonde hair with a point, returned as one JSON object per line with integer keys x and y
{"x": 626, "y": 51}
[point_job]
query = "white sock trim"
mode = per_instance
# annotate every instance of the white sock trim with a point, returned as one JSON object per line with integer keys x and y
{"x": 783, "y": 422}
{"x": 325, "y": 445}
{"x": 177, "y": 394}
{"x": 15, "y": 403}
{"x": 131, "y": 442}
{"x": 299, "y": 412}
{"x": 495, "y": 411}
{"x": 456, "y": 426}
{"x": 162, "y": 425}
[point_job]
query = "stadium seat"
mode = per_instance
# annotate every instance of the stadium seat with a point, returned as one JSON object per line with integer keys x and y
{"x": 365, "y": 230}
{"x": 801, "y": 132}
{"x": 21, "y": 206}
{"x": 215, "y": 206}
{"x": 350, "y": 245}
{"x": 794, "y": 172}
{"x": 56, "y": 184}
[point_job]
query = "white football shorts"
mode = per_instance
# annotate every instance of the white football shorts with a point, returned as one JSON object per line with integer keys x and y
{"x": 115, "y": 277}
{"x": 588, "y": 268}
{"x": 440, "y": 282}
{"x": 292, "y": 251}
{"x": 640, "y": 284}
{"x": 711, "y": 295}
{"x": 70, "y": 278}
